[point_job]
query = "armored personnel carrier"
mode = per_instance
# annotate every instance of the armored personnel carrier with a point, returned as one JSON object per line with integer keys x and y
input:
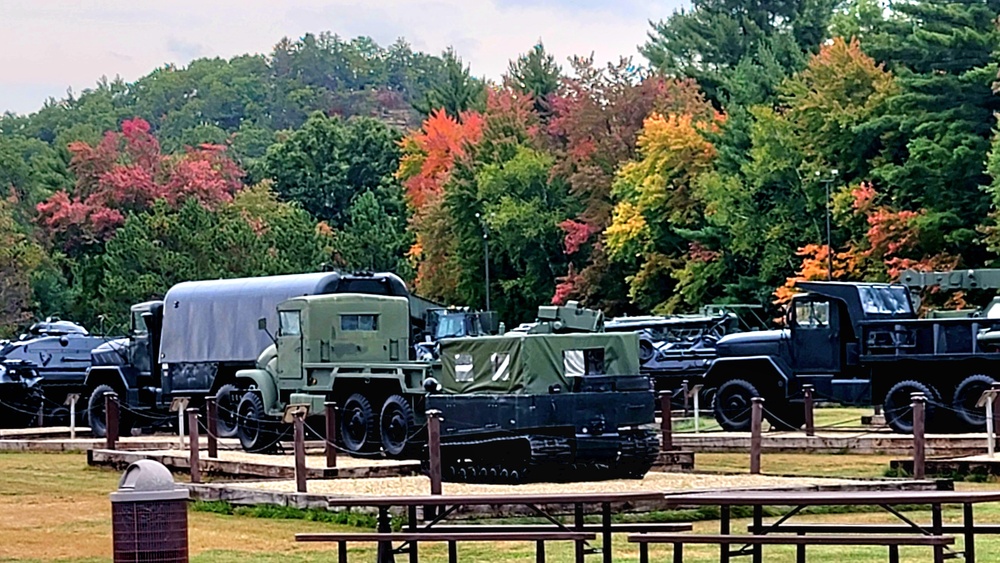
{"x": 548, "y": 403}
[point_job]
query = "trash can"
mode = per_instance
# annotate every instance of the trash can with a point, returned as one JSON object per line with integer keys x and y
{"x": 149, "y": 516}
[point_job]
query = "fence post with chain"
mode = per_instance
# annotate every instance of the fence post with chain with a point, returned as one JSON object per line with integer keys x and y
{"x": 298, "y": 423}
{"x": 194, "y": 443}
{"x": 331, "y": 434}
{"x": 434, "y": 445}
{"x": 212, "y": 426}
{"x": 756, "y": 418}
{"x": 111, "y": 415}
{"x": 666, "y": 424}
{"x": 807, "y": 393}
{"x": 919, "y": 402}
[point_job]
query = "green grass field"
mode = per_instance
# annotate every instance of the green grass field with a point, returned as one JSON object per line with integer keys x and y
{"x": 55, "y": 508}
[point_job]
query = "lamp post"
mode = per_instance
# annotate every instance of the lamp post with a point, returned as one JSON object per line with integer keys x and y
{"x": 829, "y": 242}
{"x": 486, "y": 256}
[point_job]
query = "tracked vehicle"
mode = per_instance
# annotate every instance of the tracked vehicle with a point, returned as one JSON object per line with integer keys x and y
{"x": 551, "y": 403}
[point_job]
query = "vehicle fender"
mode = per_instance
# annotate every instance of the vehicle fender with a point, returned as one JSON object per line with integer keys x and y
{"x": 112, "y": 375}
{"x": 263, "y": 382}
{"x": 755, "y": 369}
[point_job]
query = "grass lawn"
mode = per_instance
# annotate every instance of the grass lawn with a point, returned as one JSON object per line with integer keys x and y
{"x": 55, "y": 508}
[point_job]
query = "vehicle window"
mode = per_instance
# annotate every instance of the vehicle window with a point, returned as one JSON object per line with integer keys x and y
{"x": 289, "y": 323}
{"x": 450, "y": 326}
{"x": 138, "y": 323}
{"x": 812, "y": 314}
{"x": 589, "y": 361}
{"x": 883, "y": 300}
{"x": 358, "y": 322}
{"x": 463, "y": 367}
{"x": 501, "y": 366}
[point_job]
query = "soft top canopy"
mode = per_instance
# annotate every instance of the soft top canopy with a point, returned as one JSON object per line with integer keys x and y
{"x": 216, "y": 320}
{"x": 531, "y": 363}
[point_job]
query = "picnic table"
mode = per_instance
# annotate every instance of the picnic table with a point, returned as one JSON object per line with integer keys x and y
{"x": 445, "y": 505}
{"x": 799, "y": 500}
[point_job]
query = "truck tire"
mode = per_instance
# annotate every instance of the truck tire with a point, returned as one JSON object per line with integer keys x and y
{"x": 255, "y": 431}
{"x": 227, "y": 406}
{"x": 358, "y": 425}
{"x": 967, "y": 394}
{"x": 732, "y": 404}
{"x": 396, "y": 425}
{"x": 898, "y": 414}
{"x": 96, "y": 413}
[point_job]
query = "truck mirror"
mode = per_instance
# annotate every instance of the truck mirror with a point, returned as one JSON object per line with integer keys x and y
{"x": 262, "y": 323}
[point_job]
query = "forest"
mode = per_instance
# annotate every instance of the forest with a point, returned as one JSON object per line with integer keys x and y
{"x": 705, "y": 172}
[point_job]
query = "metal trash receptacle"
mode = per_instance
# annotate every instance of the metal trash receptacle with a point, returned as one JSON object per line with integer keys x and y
{"x": 149, "y": 516}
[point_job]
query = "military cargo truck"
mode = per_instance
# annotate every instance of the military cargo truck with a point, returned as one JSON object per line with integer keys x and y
{"x": 193, "y": 342}
{"x": 518, "y": 406}
{"x": 858, "y": 343}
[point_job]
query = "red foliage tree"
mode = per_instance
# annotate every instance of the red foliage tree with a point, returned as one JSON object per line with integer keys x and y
{"x": 126, "y": 172}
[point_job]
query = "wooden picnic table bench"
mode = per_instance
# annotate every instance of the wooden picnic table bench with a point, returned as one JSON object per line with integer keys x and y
{"x": 411, "y": 540}
{"x": 725, "y": 540}
{"x": 618, "y": 527}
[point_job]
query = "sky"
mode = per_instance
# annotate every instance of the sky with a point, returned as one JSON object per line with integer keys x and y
{"x": 49, "y": 46}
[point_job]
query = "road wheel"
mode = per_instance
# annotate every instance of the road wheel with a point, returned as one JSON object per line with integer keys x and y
{"x": 396, "y": 425}
{"x": 897, "y": 405}
{"x": 96, "y": 416}
{"x": 967, "y": 394}
{"x": 732, "y": 404}
{"x": 358, "y": 424}
{"x": 255, "y": 431}
{"x": 227, "y": 404}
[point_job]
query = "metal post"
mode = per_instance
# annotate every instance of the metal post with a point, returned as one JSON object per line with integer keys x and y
{"x": 829, "y": 241}
{"x": 807, "y": 392}
{"x": 434, "y": 445}
{"x": 300, "y": 452}
{"x": 697, "y": 409}
{"x": 666, "y": 425}
{"x": 684, "y": 391}
{"x": 996, "y": 408}
{"x": 756, "y": 418}
{"x": 919, "y": 401}
{"x": 192, "y": 416}
{"x": 111, "y": 419}
{"x": 331, "y": 434}
{"x": 212, "y": 426}
{"x": 73, "y": 398}
{"x": 180, "y": 429}
{"x": 990, "y": 444}
{"x": 41, "y": 415}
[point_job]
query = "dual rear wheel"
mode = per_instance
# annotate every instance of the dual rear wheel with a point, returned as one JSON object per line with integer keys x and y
{"x": 960, "y": 413}
{"x": 364, "y": 431}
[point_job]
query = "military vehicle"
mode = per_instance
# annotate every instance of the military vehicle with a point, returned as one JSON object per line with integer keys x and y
{"x": 524, "y": 405}
{"x": 192, "y": 343}
{"x": 20, "y": 394}
{"x": 857, "y": 343}
{"x": 56, "y": 352}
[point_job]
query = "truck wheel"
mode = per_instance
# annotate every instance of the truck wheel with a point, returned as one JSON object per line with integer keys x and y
{"x": 96, "y": 413}
{"x": 396, "y": 424}
{"x": 226, "y": 408}
{"x": 898, "y": 413}
{"x": 253, "y": 427}
{"x": 358, "y": 424}
{"x": 967, "y": 394}
{"x": 732, "y": 404}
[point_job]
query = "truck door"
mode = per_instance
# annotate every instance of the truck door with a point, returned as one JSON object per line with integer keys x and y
{"x": 290, "y": 344}
{"x": 816, "y": 335}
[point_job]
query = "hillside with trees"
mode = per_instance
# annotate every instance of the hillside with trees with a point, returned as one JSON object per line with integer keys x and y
{"x": 703, "y": 173}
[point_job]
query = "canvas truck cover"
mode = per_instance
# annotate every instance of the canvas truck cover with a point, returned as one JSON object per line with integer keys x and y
{"x": 531, "y": 363}
{"x": 216, "y": 320}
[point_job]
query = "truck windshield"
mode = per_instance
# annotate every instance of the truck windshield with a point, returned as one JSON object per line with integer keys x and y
{"x": 450, "y": 326}
{"x": 885, "y": 300}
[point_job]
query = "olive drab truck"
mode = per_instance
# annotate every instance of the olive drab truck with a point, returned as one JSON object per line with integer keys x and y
{"x": 193, "y": 342}
{"x": 542, "y": 404}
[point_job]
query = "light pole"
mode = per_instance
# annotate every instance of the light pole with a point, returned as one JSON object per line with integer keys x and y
{"x": 486, "y": 257}
{"x": 829, "y": 241}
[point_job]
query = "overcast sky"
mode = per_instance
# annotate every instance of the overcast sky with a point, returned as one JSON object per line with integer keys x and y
{"x": 50, "y": 45}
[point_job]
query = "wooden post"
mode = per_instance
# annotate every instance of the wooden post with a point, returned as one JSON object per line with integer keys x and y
{"x": 666, "y": 425}
{"x": 212, "y": 426}
{"x": 919, "y": 401}
{"x": 685, "y": 386}
{"x": 41, "y": 415}
{"x": 434, "y": 447}
{"x": 300, "y": 452}
{"x": 194, "y": 444}
{"x": 111, "y": 419}
{"x": 331, "y": 434}
{"x": 756, "y": 418}
{"x": 807, "y": 392}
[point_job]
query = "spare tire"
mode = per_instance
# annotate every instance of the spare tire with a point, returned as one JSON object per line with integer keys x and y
{"x": 897, "y": 404}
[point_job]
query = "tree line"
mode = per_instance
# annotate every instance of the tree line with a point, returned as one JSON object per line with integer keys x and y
{"x": 705, "y": 173}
